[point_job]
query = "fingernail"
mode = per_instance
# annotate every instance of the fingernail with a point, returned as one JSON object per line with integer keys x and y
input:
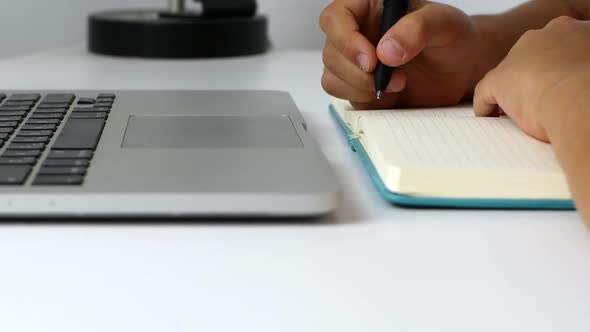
{"x": 392, "y": 50}
{"x": 363, "y": 62}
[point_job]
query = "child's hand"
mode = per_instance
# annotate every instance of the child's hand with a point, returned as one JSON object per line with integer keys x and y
{"x": 437, "y": 47}
{"x": 539, "y": 77}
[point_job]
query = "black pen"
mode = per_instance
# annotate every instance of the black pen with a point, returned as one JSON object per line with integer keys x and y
{"x": 393, "y": 11}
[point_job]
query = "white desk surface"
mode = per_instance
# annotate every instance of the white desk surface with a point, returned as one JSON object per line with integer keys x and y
{"x": 369, "y": 267}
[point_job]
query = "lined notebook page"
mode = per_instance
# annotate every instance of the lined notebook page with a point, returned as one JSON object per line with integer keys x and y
{"x": 347, "y": 111}
{"x": 422, "y": 140}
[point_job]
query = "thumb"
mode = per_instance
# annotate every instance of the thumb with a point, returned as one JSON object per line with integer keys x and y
{"x": 429, "y": 25}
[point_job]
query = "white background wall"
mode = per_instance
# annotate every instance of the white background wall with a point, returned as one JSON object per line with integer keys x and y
{"x": 27, "y": 26}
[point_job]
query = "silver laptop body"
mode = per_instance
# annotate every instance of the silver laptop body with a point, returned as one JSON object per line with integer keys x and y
{"x": 175, "y": 153}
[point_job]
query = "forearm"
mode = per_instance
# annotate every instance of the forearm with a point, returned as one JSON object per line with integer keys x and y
{"x": 498, "y": 33}
{"x": 566, "y": 118}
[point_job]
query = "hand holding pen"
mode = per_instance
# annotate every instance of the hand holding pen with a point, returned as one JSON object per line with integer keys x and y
{"x": 436, "y": 49}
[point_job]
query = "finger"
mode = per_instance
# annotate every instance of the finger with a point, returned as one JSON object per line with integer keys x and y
{"x": 485, "y": 101}
{"x": 347, "y": 71}
{"x": 398, "y": 82}
{"x": 390, "y": 98}
{"x": 431, "y": 25}
{"x": 353, "y": 76}
{"x": 340, "y": 89}
{"x": 342, "y": 30}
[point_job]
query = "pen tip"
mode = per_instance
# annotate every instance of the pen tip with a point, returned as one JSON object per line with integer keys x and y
{"x": 379, "y": 93}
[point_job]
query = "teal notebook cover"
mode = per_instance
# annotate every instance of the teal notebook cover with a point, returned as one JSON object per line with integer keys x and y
{"x": 436, "y": 202}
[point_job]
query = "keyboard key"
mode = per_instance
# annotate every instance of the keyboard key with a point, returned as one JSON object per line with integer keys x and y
{"x": 88, "y": 115}
{"x": 70, "y": 154}
{"x": 13, "y": 118}
{"x": 25, "y": 97}
{"x": 110, "y": 102}
{"x": 18, "y": 161}
{"x": 35, "y": 133}
{"x": 6, "y": 130}
{"x": 106, "y": 105}
{"x": 6, "y": 109}
{"x": 66, "y": 163}
{"x": 84, "y": 109}
{"x": 51, "y": 127}
{"x": 80, "y": 134}
{"x": 58, "y": 99}
{"x": 19, "y": 113}
{"x": 86, "y": 101}
{"x": 48, "y": 111}
{"x": 19, "y": 103}
{"x": 26, "y": 146}
{"x": 61, "y": 180}
{"x": 46, "y": 116}
{"x": 10, "y": 118}
{"x": 12, "y": 124}
{"x": 106, "y": 96}
{"x": 42, "y": 121}
{"x": 21, "y": 139}
{"x": 14, "y": 174}
{"x": 22, "y": 153}
{"x": 91, "y": 109}
{"x": 62, "y": 171}
{"x": 53, "y": 106}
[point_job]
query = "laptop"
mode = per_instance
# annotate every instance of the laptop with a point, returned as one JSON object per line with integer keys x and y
{"x": 159, "y": 154}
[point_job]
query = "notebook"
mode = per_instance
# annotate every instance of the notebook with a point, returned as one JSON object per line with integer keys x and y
{"x": 447, "y": 157}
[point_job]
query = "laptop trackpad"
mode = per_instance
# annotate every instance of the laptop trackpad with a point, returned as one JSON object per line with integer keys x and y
{"x": 193, "y": 132}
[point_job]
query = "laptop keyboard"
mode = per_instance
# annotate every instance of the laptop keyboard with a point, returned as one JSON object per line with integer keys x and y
{"x": 49, "y": 140}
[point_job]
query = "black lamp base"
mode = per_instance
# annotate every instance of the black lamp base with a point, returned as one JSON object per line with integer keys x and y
{"x": 156, "y": 34}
